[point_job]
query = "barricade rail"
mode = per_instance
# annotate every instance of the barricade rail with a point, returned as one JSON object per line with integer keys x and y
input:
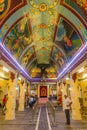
{"x": 52, "y": 109}
{"x": 34, "y": 109}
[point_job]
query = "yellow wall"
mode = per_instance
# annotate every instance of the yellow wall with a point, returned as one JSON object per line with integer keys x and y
{"x": 83, "y": 85}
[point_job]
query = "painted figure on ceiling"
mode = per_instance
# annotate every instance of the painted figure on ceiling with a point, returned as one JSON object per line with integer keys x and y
{"x": 27, "y": 57}
{"x": 63, "y": 38}
{"x": 2, "y": 5}
{"x": 59, "y": 58}
{"x": 18, "y": 38}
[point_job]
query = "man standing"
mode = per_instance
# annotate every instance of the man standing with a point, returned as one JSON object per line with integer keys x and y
{"x": 67, "y": 106}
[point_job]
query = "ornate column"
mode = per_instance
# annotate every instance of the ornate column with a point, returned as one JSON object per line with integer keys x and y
{"x": 11, "y": 102}
{"x": 48, "y": 91}
{"x": 29, "y": 88}
{"x": 27, "y": 91}
{"x": 63, "y": 84}
{"x": 22, "y": 96}
{"x": 38, "y": 90}
{"x": 76, "y": 114}
{"x": 57, "y": 89}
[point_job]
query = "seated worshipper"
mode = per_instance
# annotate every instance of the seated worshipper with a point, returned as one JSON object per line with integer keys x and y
{"x": 31, "y": 101}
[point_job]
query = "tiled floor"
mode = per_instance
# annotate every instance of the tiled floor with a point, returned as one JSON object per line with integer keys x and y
{"x": 43, "y": 125}
{"x": 60, "y": 122}
{"x": 24, "y": 121}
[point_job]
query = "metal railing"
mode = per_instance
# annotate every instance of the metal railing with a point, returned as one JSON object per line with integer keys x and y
{"x": 34, "y": 109}
{"x": 52, "y": 110}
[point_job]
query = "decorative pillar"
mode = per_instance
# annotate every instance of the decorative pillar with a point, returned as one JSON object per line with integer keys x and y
{"x": 22, "y": 96}
{"x": 29, "y": 88}
{"x": 48, "y": 91}
{"x": 38, "y": 90}
{"x": 76, "y": 114}
{"x": 64, "y": 92}
{"x": 57, "y": 90}
{"x": 11, "y": 102}
{"x": 27, "y": 91}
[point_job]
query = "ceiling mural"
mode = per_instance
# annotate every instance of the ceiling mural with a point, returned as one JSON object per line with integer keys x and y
{"x": 58, "y": 57}
{"x": 4, "y": 7}
{"x": 43, "y": 35}
{"x": 18, "y": 38}
{"x": 34, "y": 71}
{"x": 49, "y": 71}
{"x": 45, "y": 13}
{"x": 27, "y": 57}
{"x": 67, "y": 38}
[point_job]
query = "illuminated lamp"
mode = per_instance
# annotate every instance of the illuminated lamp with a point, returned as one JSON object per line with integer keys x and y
{"x": 84, "y": 75}
{"x": 69, "y": 89}
{"x": 19, "y": 78}
{"x": 81, "y": 70}
{"x": 5, "y": 69}
{"x": 67, "y": 78}
{"x": 1, "y": 74}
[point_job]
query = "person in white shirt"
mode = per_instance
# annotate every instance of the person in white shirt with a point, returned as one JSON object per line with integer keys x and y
{"x": 67, "y": 106}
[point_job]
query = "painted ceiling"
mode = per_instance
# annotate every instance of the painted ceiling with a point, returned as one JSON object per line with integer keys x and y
{"x": 43, "y": 36}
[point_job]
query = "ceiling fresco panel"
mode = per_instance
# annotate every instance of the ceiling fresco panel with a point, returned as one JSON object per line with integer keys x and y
{"x": 27, "y": 57}
{"x": 43, "y": 56}
{"x": 34, "y": 71}
{"x": 48, "y": 72}
{"x": 58, "y": 57}
{"x": 67, "y": 38}
{"x": 18, "y": 38}
{"x": 43, "y": 24}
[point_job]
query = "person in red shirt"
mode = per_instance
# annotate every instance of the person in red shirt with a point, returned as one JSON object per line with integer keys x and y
{"x": 4, "y": 100}
{"x": 4, "y": 103}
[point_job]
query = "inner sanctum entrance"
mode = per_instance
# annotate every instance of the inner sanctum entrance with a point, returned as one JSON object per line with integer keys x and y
{"x": 43, "y": 91}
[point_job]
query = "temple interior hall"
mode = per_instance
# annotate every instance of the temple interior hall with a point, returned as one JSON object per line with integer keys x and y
{"x": 43, "y": 64}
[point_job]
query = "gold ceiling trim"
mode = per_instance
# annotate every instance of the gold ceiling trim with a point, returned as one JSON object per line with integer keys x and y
{"x": 43, "y": 7}
{"x": 43, "y": 26}
{"x": 4, "y": 8}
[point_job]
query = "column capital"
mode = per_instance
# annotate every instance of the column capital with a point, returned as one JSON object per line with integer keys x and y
{"x": 12, "y": 76}
{"x": 64, "y": 82}
{"x": 22, "y": 82}
{"x": 74, "y": 76}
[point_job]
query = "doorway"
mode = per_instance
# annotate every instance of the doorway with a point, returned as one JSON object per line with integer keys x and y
{"x": 43, "y": 91}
